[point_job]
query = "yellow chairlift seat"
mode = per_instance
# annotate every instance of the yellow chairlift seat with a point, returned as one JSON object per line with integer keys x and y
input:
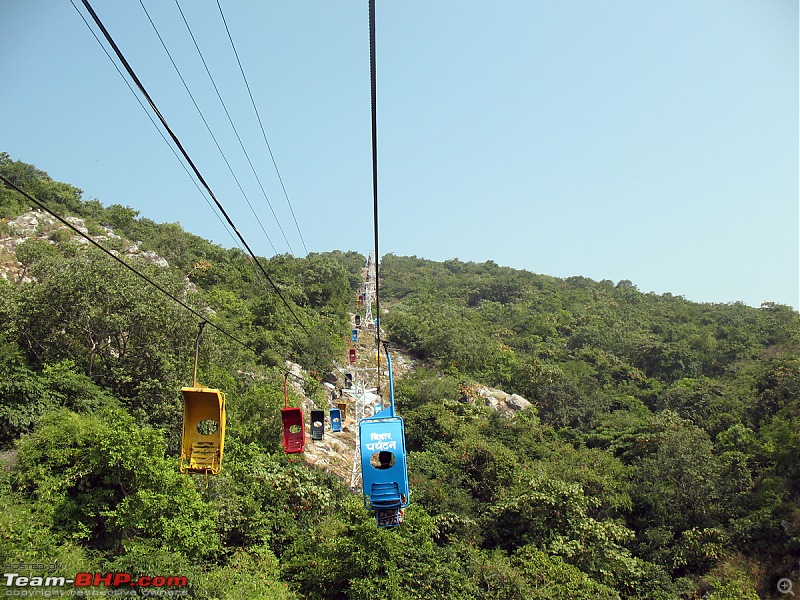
{"x": 203, "y": 436}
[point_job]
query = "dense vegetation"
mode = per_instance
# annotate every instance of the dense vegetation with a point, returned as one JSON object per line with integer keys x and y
{"x": 659, "y": 459}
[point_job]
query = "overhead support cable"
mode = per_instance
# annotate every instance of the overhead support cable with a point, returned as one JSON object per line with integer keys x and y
{"x": 161, "y": 133}
{"x": 186, "y": 156}
{"x": 373, "y": 105}
{"x": 203, "y": 318}
{"x": 263, "y": 132}
{"x": 205, "y": 122}
{"x": 235, "y": 131}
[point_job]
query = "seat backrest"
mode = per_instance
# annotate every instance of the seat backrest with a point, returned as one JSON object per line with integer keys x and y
{"x": 203, "y": 436}
{"x": 387, "y": 482}
{"x": 317, "y": 424}
{"x": 294, "y": 430}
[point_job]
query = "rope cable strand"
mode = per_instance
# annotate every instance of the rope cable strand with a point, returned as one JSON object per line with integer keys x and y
{"x": 164, "y": 137}
{"x": 373, "y": 106}
{"x": 150, "y": 117}
{"x": 188, "y": 159}
{"x": 205, "y": 122}
{"x": 263, "y": 132}
{"x": 238, "y": 137}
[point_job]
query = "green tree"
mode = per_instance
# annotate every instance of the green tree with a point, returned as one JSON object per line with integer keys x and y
{"x": 101, "y": 481}
{"x": 127, "y": 335}
{"x": 57, "y": 196}
{"x": 253, "y": 574}
{"x": 552, "y": 578}
{"x": 31, "y": 251}
{"x": 676, "y": 479}
{"x": 555, "y": 515}
{"x": 325, "y": 283}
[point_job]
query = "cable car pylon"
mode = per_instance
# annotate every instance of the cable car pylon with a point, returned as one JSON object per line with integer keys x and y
{"x": 369, "y": 292}
{"x": 360, "y": 404}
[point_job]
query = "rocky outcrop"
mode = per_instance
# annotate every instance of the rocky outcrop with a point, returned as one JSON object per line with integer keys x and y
{"x": 37, "y": 224}
{"x": 495, "y": 399}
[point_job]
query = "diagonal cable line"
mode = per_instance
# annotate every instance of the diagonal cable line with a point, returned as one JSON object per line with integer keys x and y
{"x": 230, "y": 120}
{"x": 128, "y": 266}
{"x": 374, "y": 110}
{"x": 203, "y": 118}
{"x": 263, "y": 132}
{"x": 163, "y": 137}
{"x": 186, "y": 156}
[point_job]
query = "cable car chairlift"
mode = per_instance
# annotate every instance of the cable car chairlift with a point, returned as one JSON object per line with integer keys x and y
{"x": 294, "y": 427}
{"x": 203, "y": 434}
{"x": 336, "y": 418}
{"x": 317, "y": 425}
{"x": 384, "y": 471}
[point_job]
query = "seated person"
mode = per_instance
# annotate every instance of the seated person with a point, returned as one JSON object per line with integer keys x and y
{"x": 389, "y": 517}
{"x": 385, "y": 459}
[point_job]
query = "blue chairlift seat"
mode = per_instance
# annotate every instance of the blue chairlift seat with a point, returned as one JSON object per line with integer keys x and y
{"x": 336, "y": 419}
{"x": 384, "y": 471}
{"x": 385, "y": 487}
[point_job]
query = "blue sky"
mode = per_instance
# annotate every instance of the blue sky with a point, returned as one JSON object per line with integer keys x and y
{"x": 650, "y": 141}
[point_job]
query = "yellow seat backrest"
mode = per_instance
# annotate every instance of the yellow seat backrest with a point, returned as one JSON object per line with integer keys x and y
{"x": 203, "y": 438}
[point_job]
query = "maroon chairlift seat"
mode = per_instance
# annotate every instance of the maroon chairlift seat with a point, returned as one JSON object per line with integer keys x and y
{"x": 294, "y": 430}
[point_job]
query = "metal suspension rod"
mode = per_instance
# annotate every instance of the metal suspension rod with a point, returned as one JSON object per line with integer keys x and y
{"x": 197, "y": 353}
{"x": 391, "y": 378}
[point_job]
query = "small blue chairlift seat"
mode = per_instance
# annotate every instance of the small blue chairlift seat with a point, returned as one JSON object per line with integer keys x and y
{"x": 384, "y": 472}
{"x": 336, "y": 419}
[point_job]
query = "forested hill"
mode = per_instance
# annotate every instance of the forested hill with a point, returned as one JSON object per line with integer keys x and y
{"x": 658, "y": 460}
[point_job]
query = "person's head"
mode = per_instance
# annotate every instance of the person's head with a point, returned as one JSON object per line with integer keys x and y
{"x": 385, "y": 458}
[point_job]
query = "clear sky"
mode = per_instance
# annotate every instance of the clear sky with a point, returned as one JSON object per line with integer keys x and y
{"x": 626, "y": 139}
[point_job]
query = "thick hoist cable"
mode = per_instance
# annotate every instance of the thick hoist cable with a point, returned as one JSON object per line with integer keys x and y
{"x": 373, "y": 106}
{"x": 186, "y": 156}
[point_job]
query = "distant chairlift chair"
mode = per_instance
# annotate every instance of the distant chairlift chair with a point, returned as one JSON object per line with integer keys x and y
{"x": 294, "y": 428}
{"x": 317, "y": 425}
{"x": 336, "y": 419}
